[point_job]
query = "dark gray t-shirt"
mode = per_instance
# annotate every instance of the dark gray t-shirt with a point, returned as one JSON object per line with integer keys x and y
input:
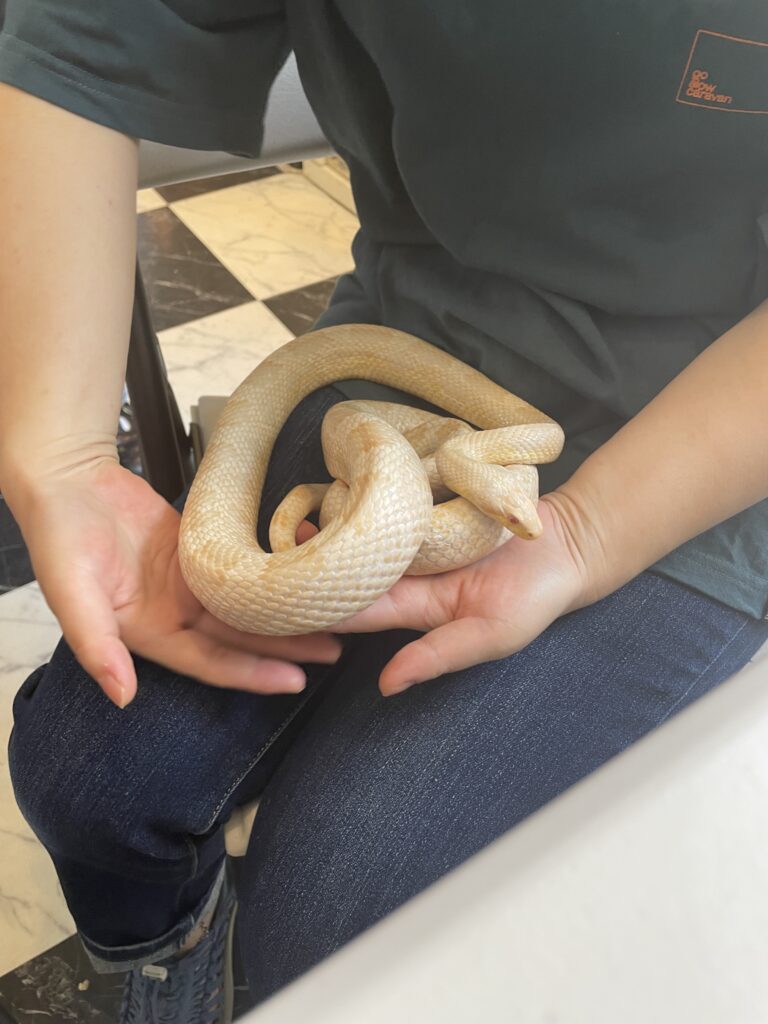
{"x": 572, "y": 198}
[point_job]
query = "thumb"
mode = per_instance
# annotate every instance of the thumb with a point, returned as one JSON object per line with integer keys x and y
{"x": 412, "y": 603}
{"x": 89, "y": 624}
{"x": 449, "y": 648}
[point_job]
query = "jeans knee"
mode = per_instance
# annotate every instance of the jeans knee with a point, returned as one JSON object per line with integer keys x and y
{"x": 48, "y": 749}
{"x": 83, "y": 771}
{"x": 96, "y": 782}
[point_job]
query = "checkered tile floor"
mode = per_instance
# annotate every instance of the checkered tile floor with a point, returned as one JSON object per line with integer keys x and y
{"x": 233, "y": 266}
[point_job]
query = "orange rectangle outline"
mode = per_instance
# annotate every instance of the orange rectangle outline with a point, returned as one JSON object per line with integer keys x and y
{"x": 709, "y": 106}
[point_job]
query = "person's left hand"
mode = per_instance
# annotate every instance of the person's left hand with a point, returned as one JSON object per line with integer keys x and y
{"x": 484, "y": 612}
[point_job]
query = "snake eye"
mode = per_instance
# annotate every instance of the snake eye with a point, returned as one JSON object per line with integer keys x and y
{"x": 513, "y": 519}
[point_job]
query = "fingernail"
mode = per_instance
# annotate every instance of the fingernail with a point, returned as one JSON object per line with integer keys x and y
{"x": 120, "y": 695}
{"x": 124, "y": 698}
{"x": 401, "y": 687}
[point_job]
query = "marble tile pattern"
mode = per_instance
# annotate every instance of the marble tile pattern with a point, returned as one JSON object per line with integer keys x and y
{"x": 184, "y": 280}
{"x": 275, "y": 235}
{"x": 33, "y": 915}
{"x": 212, "y": 355}
{"x": 61, "y": 987}
{"x": 299, "y": 309}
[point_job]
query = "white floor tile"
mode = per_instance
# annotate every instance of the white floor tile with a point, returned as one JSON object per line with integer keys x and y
{"x": 148, "y": 199}
{"x": 274, "y": 234}
{"x": 33, "y": 914}
{"x": 211, "y": 356}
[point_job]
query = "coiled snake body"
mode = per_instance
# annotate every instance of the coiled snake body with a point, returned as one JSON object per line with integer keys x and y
{"x": 391, "y": 463}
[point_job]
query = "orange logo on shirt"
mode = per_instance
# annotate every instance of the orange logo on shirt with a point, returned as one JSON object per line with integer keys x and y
{"x": 700, "y": 88}
{"x": 727, "y": 73}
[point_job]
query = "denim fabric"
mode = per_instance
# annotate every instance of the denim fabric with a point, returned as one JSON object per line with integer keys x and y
{"x": 365, "y": 801}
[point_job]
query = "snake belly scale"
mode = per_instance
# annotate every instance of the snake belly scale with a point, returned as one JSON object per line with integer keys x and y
{"x": 391, "y": 462}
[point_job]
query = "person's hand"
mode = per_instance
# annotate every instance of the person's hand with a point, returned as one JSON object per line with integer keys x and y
{"x": 486, "y": 611}
{"x": 104, "y": 548}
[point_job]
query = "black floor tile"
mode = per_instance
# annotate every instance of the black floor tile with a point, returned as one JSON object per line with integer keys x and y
{"x": 186, "y": 189}
{"x": 184, "y": 280}
{"x": 299, "y": 309}
{"x": 60, "y": 987}
{"x": 10, "y": 534}
{"x": 15, "y": 566}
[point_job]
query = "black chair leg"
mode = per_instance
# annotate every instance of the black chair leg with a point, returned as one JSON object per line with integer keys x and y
{"x": 165, "y": 446}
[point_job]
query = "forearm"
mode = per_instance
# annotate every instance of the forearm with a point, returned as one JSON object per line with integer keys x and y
{"x": 67, "y": 202}
{"x": 694, "y": 456}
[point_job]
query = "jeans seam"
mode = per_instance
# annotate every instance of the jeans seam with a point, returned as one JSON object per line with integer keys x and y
{"x": 703, "y": 672}
{"x": 255, "y": 760}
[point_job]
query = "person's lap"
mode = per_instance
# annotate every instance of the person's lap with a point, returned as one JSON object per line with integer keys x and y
{"x": 365, "y": 801}
{"x": 377, "y": 798}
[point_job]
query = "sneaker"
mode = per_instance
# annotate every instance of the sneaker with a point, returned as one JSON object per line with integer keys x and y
{"x": 195, "y": 988}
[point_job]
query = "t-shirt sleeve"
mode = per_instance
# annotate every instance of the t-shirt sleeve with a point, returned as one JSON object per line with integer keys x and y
{"x": 192, "y": 73}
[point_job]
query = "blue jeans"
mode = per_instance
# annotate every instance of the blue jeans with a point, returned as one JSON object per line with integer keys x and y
{"x": 364, "y": 801}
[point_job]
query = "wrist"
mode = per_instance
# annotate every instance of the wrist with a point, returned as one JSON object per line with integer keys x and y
{"x": 583, "y": 534}
{"x": 30, "y": 471}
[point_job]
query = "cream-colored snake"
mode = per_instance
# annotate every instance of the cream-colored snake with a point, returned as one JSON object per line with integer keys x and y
{"x": 379, "y": 522}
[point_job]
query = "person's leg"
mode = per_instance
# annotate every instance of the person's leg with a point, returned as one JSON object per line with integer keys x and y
{"x": 130, "y": 804}
{"x": 377, "y": 798}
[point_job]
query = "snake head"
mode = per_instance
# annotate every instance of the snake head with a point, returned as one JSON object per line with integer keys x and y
{"x": 516, "y": 512}
{"x": 524, "y": 522}
{"x": 511, "y": 498}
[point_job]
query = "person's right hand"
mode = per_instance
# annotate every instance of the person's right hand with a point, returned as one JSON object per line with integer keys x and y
{"x": 103, "y": 546}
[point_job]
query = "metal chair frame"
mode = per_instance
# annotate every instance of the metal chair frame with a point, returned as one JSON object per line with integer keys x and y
{"x": 167, "y": 450}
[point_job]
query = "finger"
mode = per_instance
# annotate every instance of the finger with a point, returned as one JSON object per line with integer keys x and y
{"x": 305, "y": 531}
{"x": 321, "y": 648}
{"x": 410, "y": 604}
{"x": 201, "y": 657}
{"x": 449, "y": 648}
{"x": 89, "y": 625}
